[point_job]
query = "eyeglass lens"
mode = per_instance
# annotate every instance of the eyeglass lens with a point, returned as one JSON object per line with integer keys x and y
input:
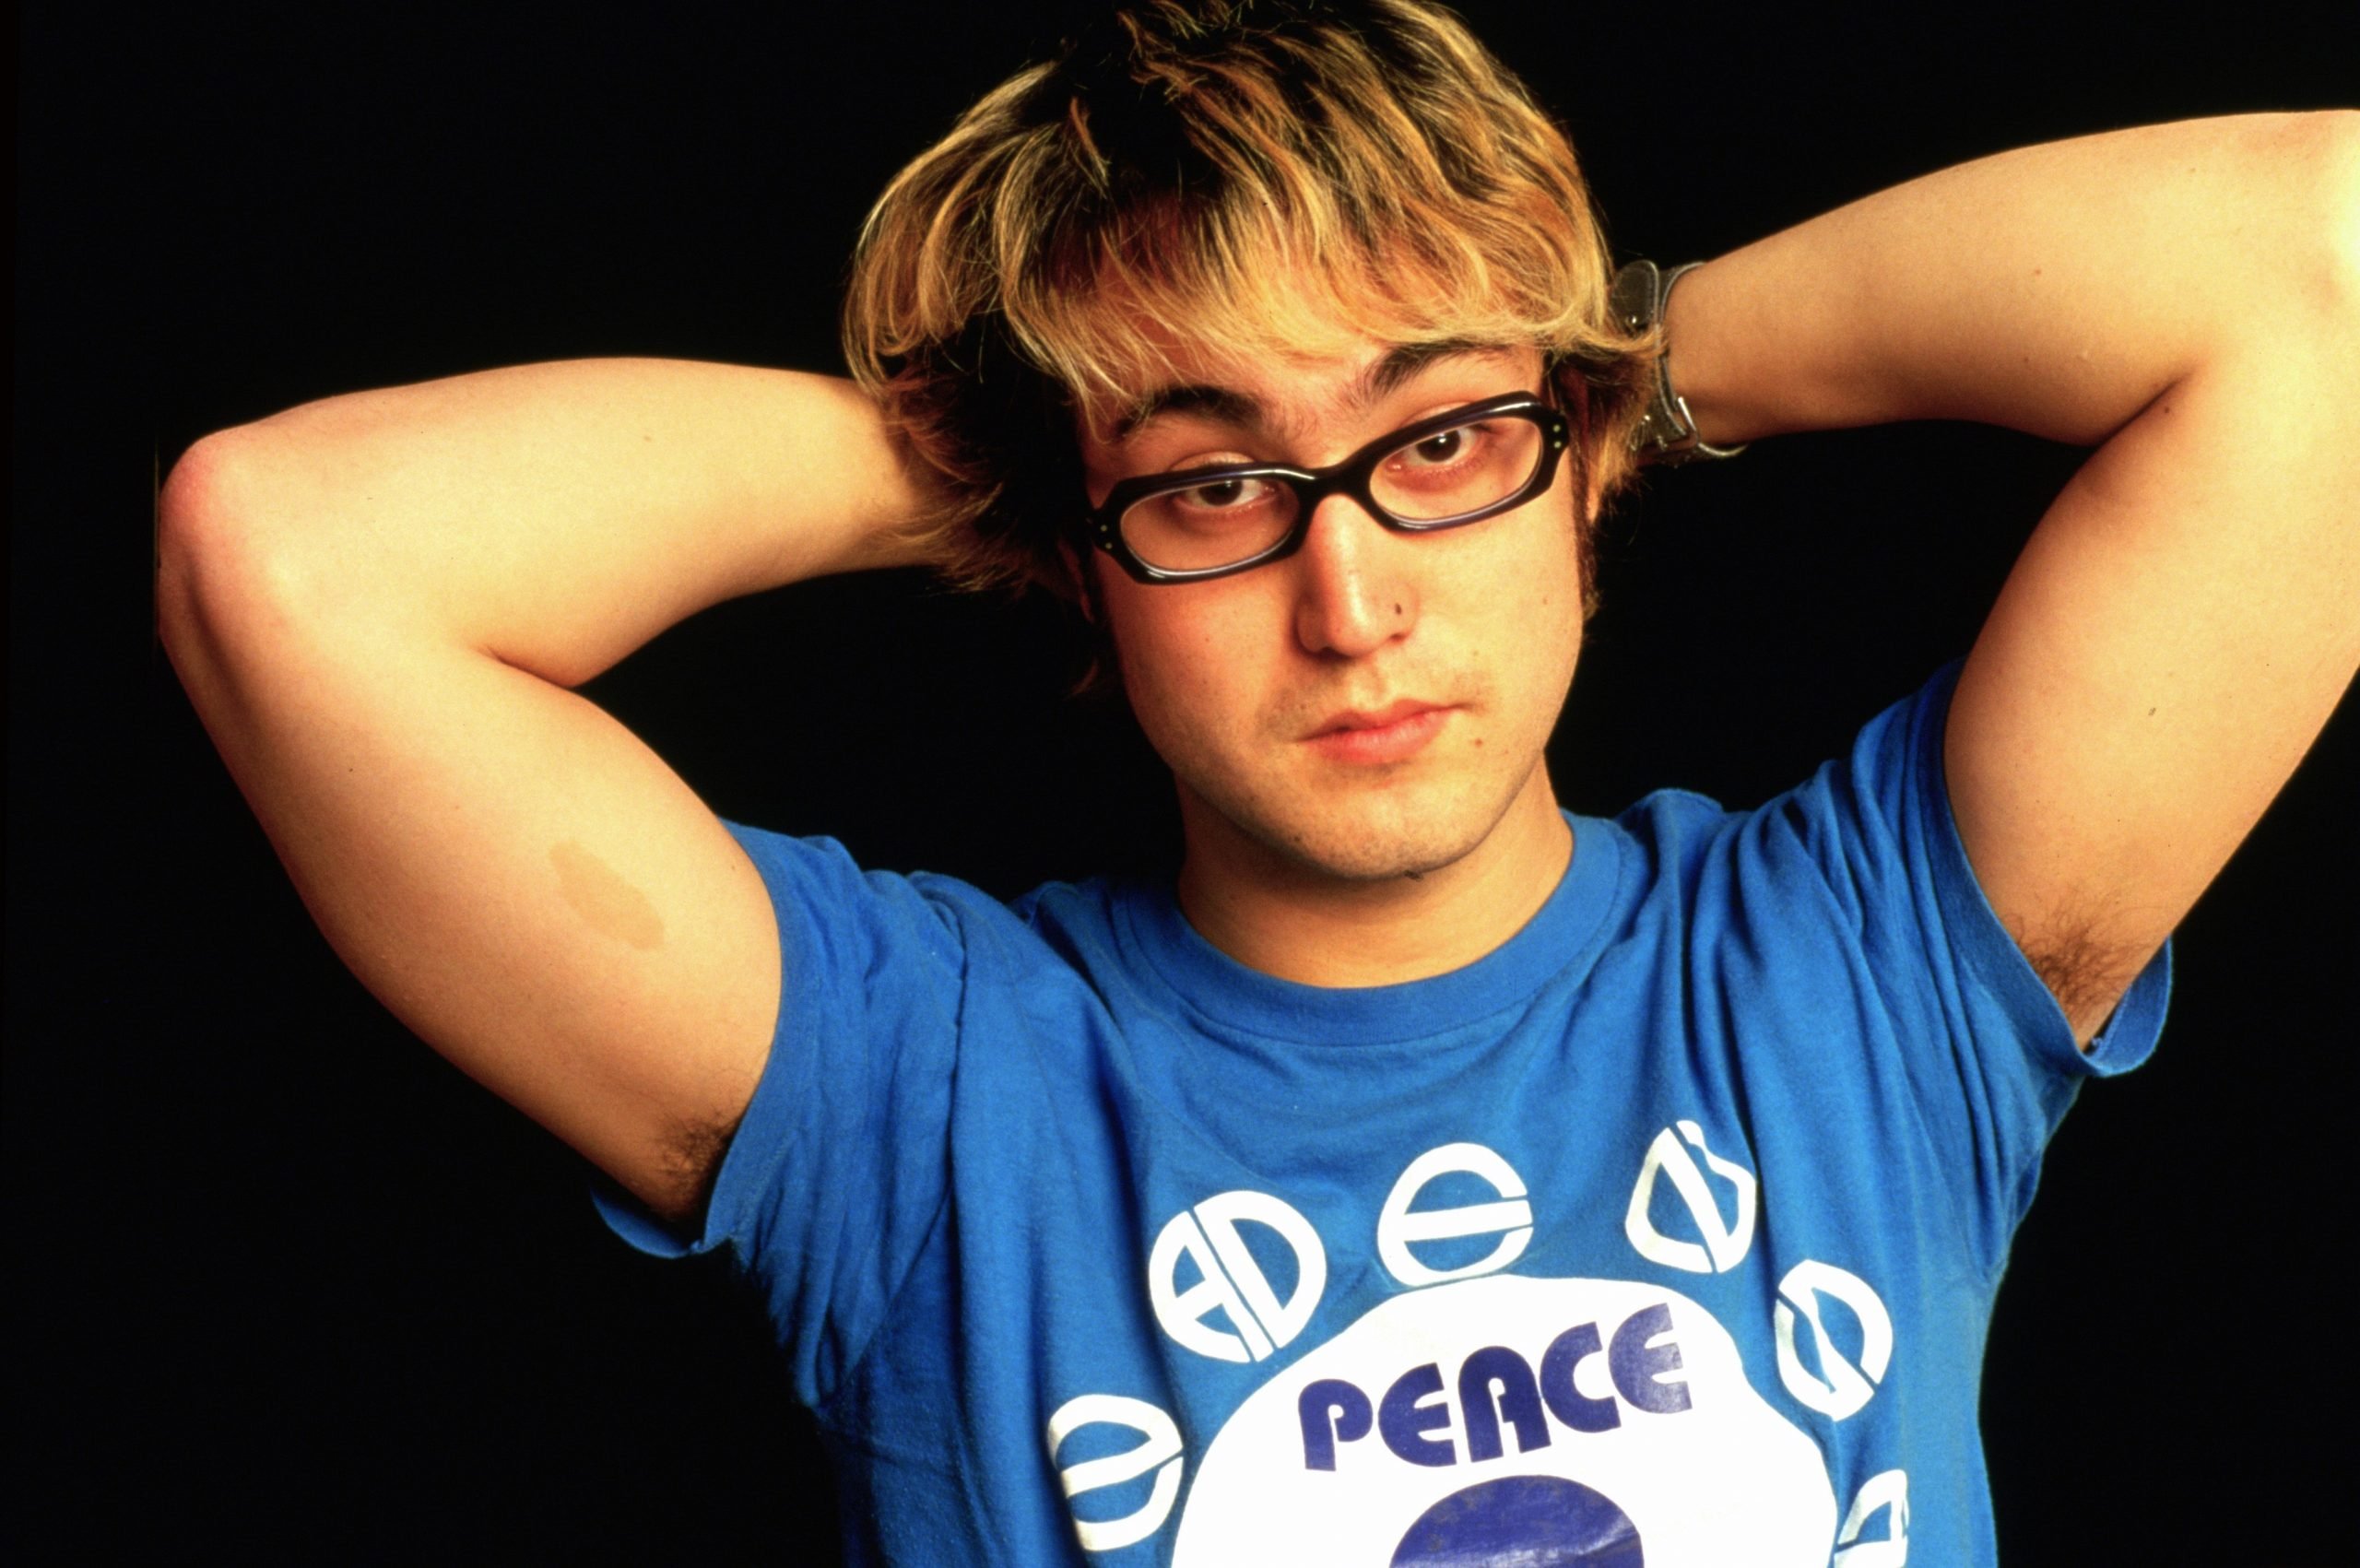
{"x": 1441, "y": 475}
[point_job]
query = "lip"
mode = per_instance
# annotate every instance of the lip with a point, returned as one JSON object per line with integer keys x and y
{"x": 1391, "y": 734}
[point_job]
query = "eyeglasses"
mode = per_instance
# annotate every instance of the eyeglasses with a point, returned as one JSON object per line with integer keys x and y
{"x": 1445, "y": 472}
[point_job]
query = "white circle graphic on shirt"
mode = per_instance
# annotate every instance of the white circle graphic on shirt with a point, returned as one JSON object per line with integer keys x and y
{"x": 1630, "y": 1395}
{"x": 1839, "y": 1388}
{"x": 1229, "y": 1280}
{"x": 1888, "y": 1492}
{"x": 1723, "y": 1244}
{"x": 1160, "y": 1446}
{"x": 1398, "y": 1224}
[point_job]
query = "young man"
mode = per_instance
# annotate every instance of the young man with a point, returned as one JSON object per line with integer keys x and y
{"x": 1426, "y": 1175}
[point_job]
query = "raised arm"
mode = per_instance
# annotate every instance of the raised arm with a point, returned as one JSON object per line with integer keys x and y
{"x": 2185, "y": 298}
{"x": 378, "y": 603}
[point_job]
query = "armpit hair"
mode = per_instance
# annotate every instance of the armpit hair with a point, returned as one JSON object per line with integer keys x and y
{"x": 691, "y": 1160}
{"x": 2083, "y": 969}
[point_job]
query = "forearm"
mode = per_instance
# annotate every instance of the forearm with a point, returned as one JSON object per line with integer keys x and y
{"x": 2056, "y": 290}
{"x": 552, "y": 516}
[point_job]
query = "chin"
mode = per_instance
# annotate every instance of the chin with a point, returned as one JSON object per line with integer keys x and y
{"x": 1372, "y": 841}
{"x": 1378, "y": 857}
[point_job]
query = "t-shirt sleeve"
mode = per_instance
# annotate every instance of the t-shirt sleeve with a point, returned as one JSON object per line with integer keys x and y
{"x": 838, "y": 1172}
{"x": 1988, "y": 1056}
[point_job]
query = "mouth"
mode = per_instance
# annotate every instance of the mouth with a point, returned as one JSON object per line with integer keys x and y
{"x": 1375, "y": 736}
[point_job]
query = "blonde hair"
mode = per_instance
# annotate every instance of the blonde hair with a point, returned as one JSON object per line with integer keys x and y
{"x": 1250, "y": 180}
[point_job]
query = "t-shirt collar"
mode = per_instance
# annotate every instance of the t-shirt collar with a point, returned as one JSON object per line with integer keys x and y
{"x": 1559, "y": 942}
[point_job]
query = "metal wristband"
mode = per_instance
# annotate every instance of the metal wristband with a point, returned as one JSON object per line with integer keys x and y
{"x": 1667, "y": 431}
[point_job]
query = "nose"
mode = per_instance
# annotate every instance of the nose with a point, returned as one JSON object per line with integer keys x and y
{"x": 1354, "y": 592}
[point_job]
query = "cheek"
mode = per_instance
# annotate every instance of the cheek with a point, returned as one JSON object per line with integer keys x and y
{"x": 1534, "y": 615}
{"x": 1184, "y": 657}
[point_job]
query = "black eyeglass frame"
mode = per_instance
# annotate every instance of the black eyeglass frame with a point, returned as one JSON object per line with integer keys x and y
{"x": 1353, "y": 477}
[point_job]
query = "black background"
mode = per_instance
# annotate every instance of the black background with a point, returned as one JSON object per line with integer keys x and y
{"x": 284, "y": 1283}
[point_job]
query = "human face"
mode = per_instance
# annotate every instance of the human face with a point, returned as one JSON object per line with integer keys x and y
{"x": 1375, "y": 704}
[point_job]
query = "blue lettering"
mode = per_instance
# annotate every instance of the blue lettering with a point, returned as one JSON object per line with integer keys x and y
{"x": 1567, "y": 1403}
{"x": 1498, "y": 1388}
{"x": 1636, "y": 1364}
{"x": 1400, "y": 1419}
{"x": 1519, "y": 1402}
{"x": 1331, "y": 1412}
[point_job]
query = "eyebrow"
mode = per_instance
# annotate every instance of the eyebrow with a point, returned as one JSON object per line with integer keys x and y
{"x": 1229, "y": 406}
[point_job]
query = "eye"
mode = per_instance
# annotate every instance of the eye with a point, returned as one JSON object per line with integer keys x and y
{"x": 1461, "y": 471}
{"x": 1440, "y": 447}
{"x": 1444, "y": 449}
{"x": 1221, "y": 495}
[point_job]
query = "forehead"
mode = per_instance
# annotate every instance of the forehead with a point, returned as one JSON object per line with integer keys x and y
{"x": 1292, "y": 393}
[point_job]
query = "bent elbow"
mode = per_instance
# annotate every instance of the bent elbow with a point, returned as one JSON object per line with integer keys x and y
{"x": 196, "y": 530}
{"x": 228, "y": 563}
{"x": 2327, "y": 148}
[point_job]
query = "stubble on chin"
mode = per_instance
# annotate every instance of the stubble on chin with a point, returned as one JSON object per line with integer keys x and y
{"x": 1356, "y": 831}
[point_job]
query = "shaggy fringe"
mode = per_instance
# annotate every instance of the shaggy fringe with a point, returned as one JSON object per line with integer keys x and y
{"x": 1250, "y": 180}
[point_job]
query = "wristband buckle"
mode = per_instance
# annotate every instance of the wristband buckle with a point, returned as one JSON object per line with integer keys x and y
{"x": 1667, "y": 432}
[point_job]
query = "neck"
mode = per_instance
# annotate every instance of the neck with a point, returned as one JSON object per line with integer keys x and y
{"x": 1273, "y": 913}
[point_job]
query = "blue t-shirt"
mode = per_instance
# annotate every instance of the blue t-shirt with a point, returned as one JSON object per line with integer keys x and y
{"x": 1666, "y": 1233}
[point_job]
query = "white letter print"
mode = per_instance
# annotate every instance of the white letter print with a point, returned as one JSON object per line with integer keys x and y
{"x": 1397, "y": 1227}
{"x": 1841, "y": 1388}
{"x": 1232, "y": 1282}
{"x": 1161, "y": 1447}
{"x": 1724, "y": 1247}
{"x": 1888, "y": 1488}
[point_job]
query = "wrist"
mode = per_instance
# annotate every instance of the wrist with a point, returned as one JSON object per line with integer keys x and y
{"x": 1677, "y": 425}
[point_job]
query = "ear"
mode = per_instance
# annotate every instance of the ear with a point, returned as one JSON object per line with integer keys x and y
{"x": 1100, "y": 675}
{"x": 1080, "y": 584}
